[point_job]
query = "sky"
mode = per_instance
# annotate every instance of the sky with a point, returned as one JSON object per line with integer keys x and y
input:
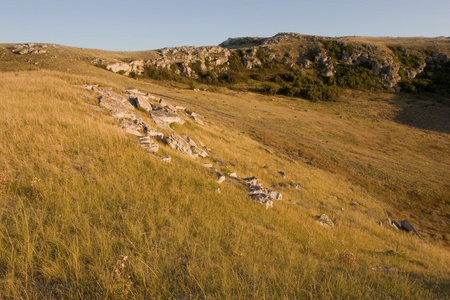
{"x": 131, "y": 25}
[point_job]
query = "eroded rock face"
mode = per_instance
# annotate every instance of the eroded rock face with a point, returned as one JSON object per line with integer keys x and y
{"x": 210, "y": 57}
{"x": 29, "y": 48}
{"x": 136, "y": 66}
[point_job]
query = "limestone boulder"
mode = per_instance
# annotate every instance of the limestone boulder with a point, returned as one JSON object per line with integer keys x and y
{"x": 324, "y": 220}
{"x": 147, "y": 143}
{"x": 140, "y": 102}
{"x": 116, "y": 108}
{"x": 177, "y": 142}
{"x": 163, "y": 117}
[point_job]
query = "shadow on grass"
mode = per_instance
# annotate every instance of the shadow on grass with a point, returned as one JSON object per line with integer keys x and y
{"x": 424, "y": 112}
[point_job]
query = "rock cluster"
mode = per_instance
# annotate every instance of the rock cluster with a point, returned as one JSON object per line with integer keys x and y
{"x": 261, "y": 194}
{"x": 382, "y": 62}
{"x": 29, "y": 48}
{"x": 122, "y": 107}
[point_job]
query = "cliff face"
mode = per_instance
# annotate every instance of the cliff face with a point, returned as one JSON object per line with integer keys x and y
{"x": 388, "y": 59}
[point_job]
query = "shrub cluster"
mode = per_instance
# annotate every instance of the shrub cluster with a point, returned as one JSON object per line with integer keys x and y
{"x": 355, "y": 76}
{"x": 434, "y": 79}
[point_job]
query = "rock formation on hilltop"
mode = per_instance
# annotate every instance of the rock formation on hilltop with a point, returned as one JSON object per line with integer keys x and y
{"x": 385, "y": 61}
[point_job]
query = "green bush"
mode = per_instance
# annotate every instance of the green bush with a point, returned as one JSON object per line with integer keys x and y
{"x": 434, "y": 79}
{"x": 333, "y": 49}
{"x": 322, "y": 92}
{"x": 355, "y": 77}
{"x": 290, "y": 90}
{"x": 270, "y": 89}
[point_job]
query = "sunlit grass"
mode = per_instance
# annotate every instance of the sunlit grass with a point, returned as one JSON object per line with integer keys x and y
{"x": 80, "y": 195}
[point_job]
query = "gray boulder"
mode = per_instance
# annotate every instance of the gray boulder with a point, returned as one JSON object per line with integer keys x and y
{"x": 408, "y": 227}
{"x": 140, "y": 102}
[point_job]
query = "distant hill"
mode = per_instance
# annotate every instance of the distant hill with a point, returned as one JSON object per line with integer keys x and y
{"x": 312, "y": 67}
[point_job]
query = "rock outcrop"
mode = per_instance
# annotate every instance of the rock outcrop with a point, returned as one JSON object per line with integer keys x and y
{"x": 388, "y": 62}
{"x": 140, "y": 101}
{"x": 324, "y": 220}
{"x": 136, "y": 66}
{"x": 185, "y": 145}
{"x": 121, "y": 108}
{"x": 29, "y": 48}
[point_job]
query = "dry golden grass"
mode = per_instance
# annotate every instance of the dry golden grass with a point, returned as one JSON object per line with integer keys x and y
{"x": 87, "y": 213}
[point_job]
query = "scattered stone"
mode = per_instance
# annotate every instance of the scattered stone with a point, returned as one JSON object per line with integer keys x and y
{"x": 325, "y": 221}
{"x": 384, "y": 268}
{"x": 233, "y": 175}
{"x": 260, "y": 194}
{"x": 220, "y": 177}
{"x": 104, "y": 91}
{"x": 268, "y": 151}
{"x": 296, "y": 186}
{"x": 195, "y": 149}
{"x": 166, "y": 158}
{"x": 252, "y": 181}
{"x": 268, "y": 203}
{"x": 282, "y": 174}
{"x": 354, "y": 203}
{"x": 195, "y": 117}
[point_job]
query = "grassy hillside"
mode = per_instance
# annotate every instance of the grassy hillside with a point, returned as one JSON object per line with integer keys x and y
{"x": 87, "y": 213}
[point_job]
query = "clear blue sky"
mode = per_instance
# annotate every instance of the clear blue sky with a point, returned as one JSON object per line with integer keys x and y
{"x": 145, "y": 25}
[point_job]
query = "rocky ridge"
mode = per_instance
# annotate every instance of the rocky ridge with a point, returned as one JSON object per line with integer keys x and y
{"x": 320, "y": 54}
{"x": 123, "y": 108}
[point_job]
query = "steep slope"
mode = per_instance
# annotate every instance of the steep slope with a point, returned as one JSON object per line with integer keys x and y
{"x": 89, "y": 213}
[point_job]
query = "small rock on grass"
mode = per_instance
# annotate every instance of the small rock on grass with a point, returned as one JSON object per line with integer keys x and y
{"x": 325, "y": 221}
